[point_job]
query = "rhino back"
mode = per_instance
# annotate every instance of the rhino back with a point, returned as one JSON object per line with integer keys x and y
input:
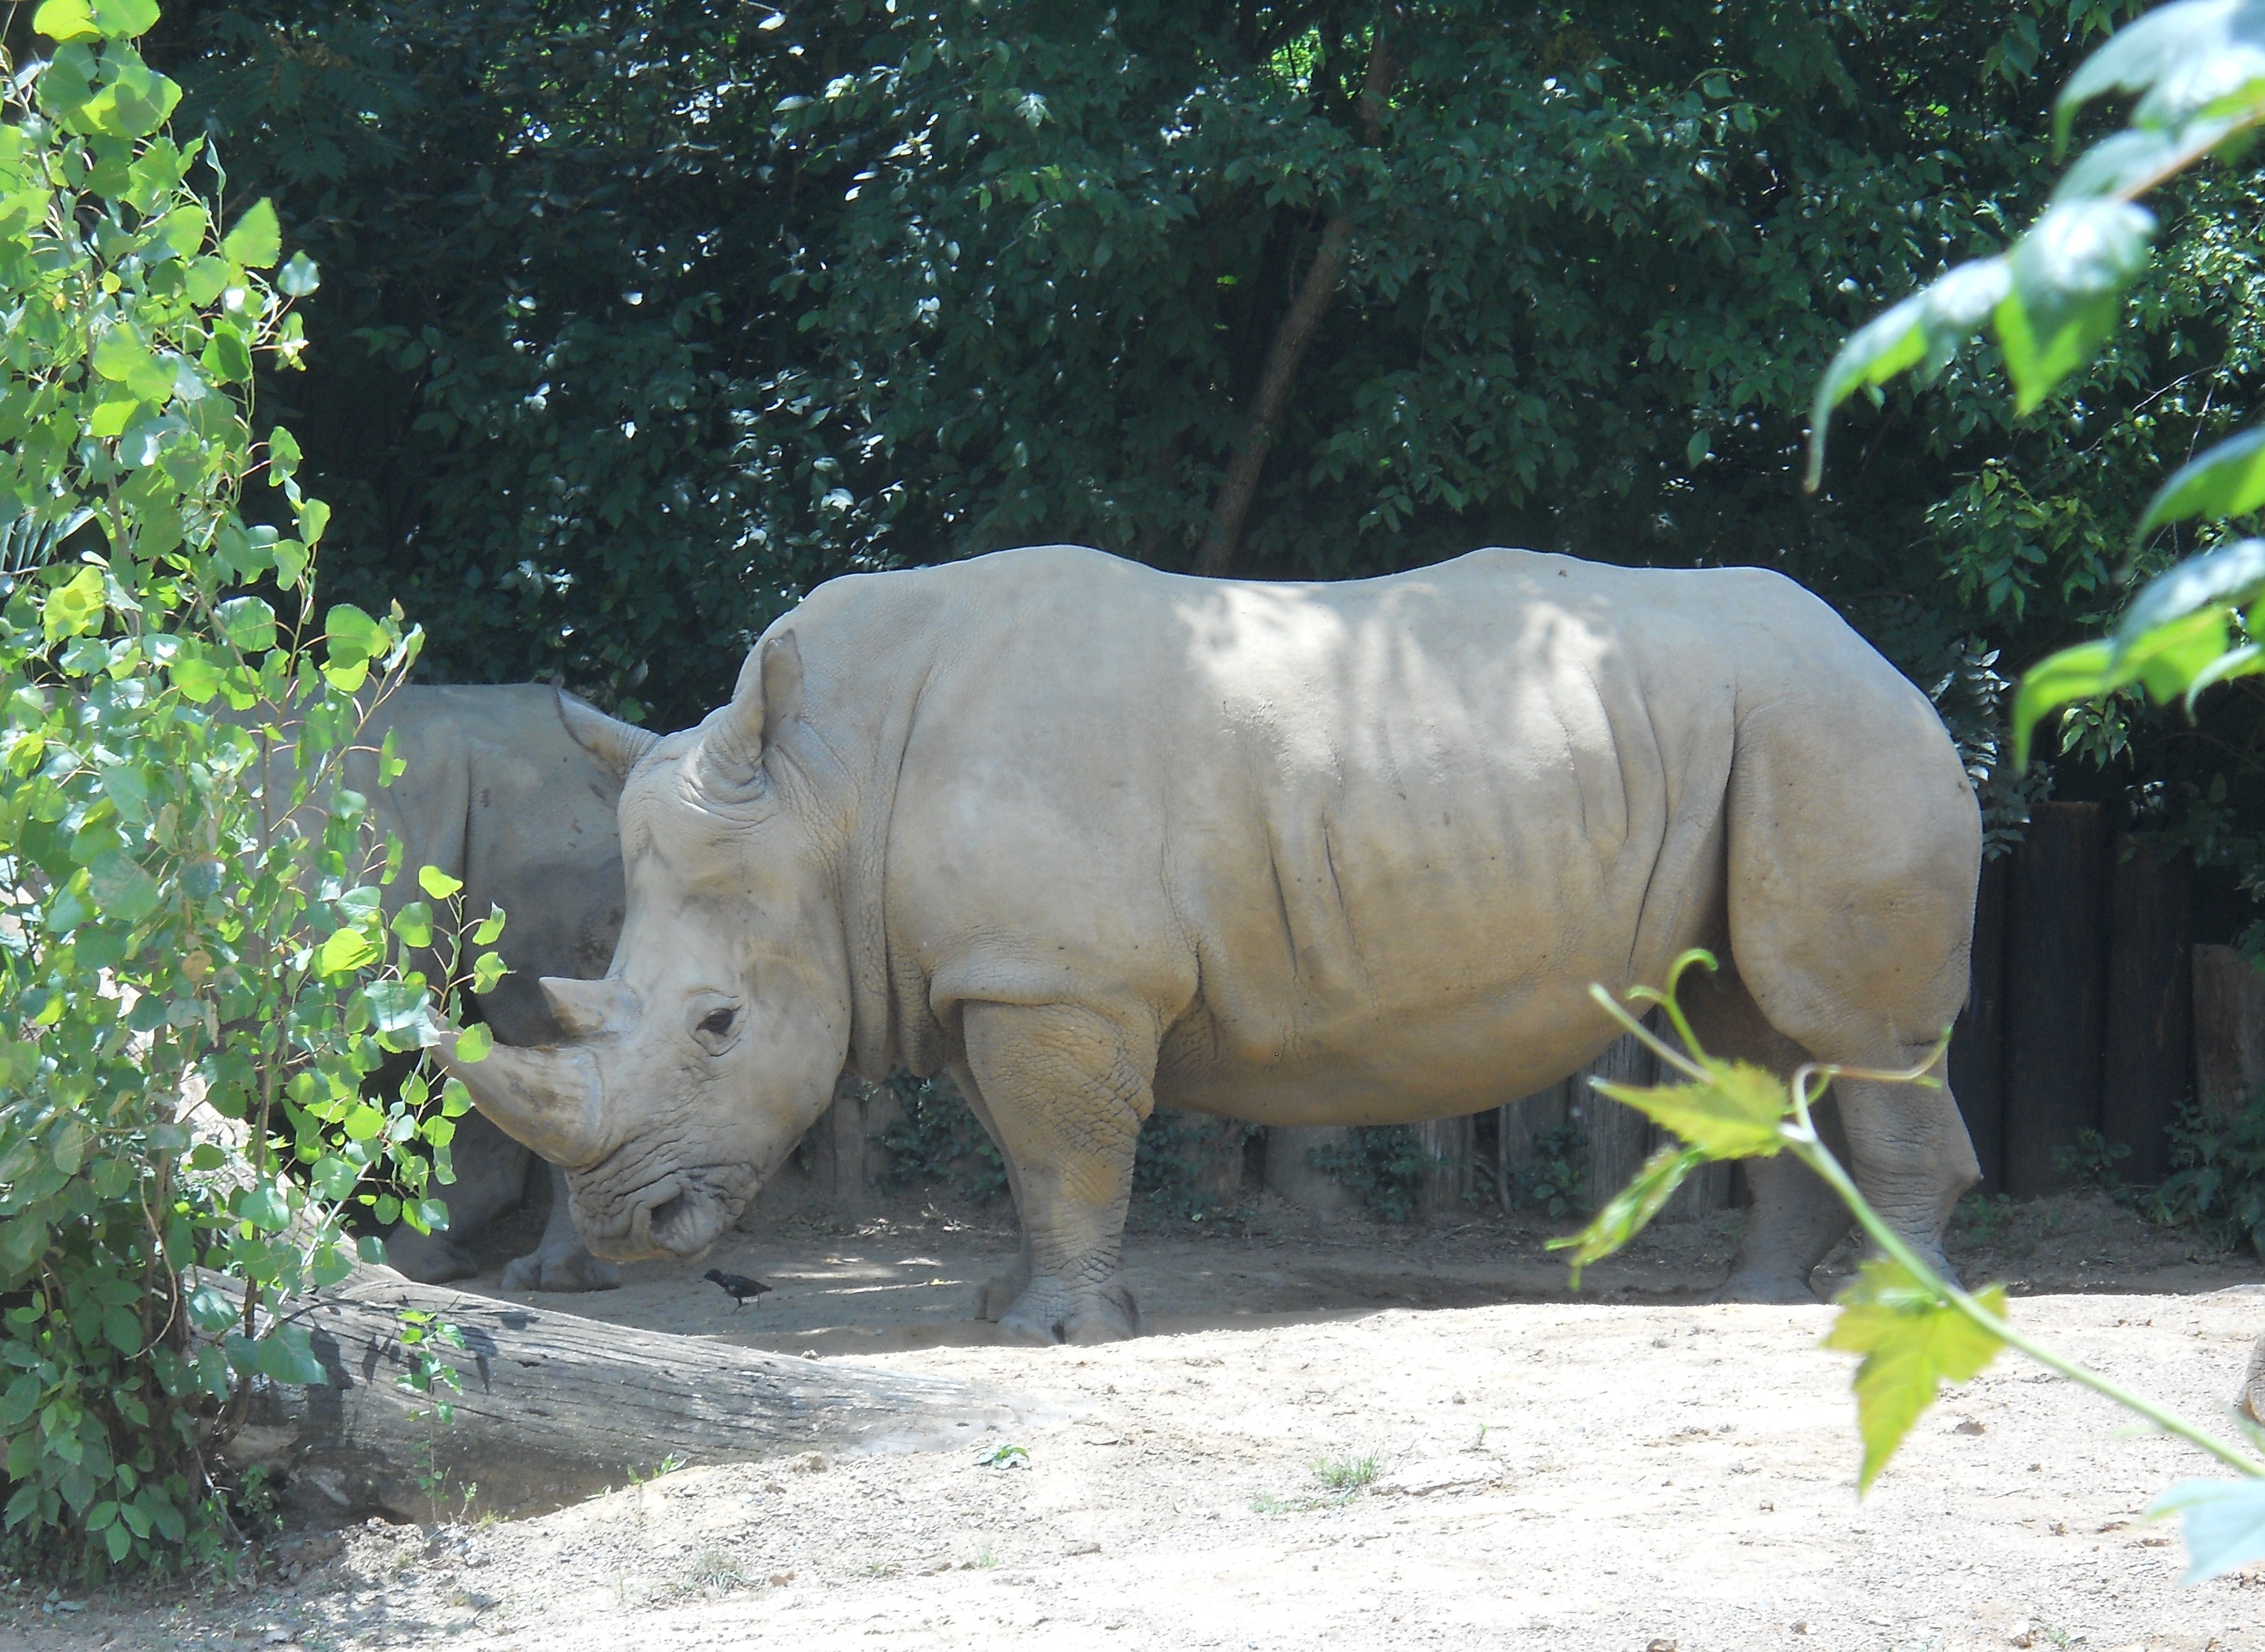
{"x": 1357, "y": 848}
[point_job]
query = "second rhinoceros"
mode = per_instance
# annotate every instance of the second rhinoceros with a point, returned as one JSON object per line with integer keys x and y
{"x": 1094, "y": 838}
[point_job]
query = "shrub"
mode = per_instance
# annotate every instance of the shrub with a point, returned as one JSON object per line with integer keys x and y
{"x": 1385, "y": 1164}
{"x": 2217, "y": 1175}
{"x": 195, "y": 974}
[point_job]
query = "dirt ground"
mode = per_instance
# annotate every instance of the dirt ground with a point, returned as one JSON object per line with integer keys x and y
{"x": 1350, "y": 1439}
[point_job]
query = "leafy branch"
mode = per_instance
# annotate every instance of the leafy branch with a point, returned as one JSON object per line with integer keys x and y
{"x": 1914, "y": 1328}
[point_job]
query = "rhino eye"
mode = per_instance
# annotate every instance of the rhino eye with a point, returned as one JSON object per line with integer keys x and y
{"x": 717, "y": 1022}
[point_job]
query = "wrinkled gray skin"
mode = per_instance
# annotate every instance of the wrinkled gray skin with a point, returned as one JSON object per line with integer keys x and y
{"x": 497, "y": 794}
{"x": 1094, "y": 838}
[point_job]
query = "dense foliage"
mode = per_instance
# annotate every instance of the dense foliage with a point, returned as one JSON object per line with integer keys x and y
{"x": 643, "y": 318}
{"x": 190, "y": 949}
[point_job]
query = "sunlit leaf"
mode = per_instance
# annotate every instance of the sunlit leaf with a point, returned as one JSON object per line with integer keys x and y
{"x": 2084, "y": 671}
{"x": 2069, "y": 275}
{"x": 437, "y": 883}
{"x": 1734, "y": 1115}
{"x": 2227, "y": 480}
{"x": 1629, "y": 1212}
{"x": 1912, "y": 1340}
{"x": 2231, "y": 576}
{"x": 257, "y": 240}
{"x": 2187, "y": 59}
{"x": 74, "y": 607}
{"x": 473, "y": 1043}
{"x": 1924, "y": 331}
{"x": 345, "y": 950}
{"x": 66, "y": 20}
{"x": 2224, "y": 1522}
{"x": 488, "y": 930}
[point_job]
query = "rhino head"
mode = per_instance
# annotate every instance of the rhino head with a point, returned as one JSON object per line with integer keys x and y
{"x": 713, "y": 1042}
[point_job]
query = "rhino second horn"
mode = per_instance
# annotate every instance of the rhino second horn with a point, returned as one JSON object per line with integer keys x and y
{"x": 619, "y": 746}
{"x": 591, "y": 1009}
{"x": 765, "y": 699}
{"x": 548, "y": 1100}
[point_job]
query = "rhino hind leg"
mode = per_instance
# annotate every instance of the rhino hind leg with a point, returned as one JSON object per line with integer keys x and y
{"x": 1794, "y": 1221}
{"x": 1060, "y": 1090}
{"x": 560, "y": 1261}
{"x": 1852, "y": 871}
{"x": 491, "y": 1179}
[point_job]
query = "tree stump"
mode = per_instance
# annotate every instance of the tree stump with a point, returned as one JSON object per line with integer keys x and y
{"x": 555, "y": 1407}
{"x": 2229, "y": 1029}
{"x": 2145, "y": 1067}
{"x": 2056, "y": 990}
{"x": 1291, "y": 1175}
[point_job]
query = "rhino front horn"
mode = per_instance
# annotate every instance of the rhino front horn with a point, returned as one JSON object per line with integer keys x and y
{"x": 548, "y": 1100}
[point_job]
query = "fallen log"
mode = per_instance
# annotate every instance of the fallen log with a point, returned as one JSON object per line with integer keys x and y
{"x": 553, "y": 1408}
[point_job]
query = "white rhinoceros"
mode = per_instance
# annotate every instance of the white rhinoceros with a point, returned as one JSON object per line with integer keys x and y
{"x": 497, "y": 793}
{"x": 1097, "y": 838}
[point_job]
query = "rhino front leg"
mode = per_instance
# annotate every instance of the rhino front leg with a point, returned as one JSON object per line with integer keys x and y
{"x": 1063, "y": 1092}
{"x": 999, "y": 1292}
{"x": 560, "y": 1260}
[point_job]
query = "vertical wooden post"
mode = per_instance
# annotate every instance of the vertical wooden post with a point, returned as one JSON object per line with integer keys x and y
{"x": 1519, "y": 1126}
{"x": 2146, "y": 1068}
{"x": 1977, "y": 1044}
{"x": 2229, "y": 1029}
{"x": 1447, "y": 1142}
{"x": 1614, "y": 1138}
{"x": 2056, "y": 989}
{"x": 1291, "y": 1175}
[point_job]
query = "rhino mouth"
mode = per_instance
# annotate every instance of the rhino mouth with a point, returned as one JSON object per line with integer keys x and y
{"x": 678, "y": 1214}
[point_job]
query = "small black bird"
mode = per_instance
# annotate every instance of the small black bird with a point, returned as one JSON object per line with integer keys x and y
{"x": 737, "y": 1286}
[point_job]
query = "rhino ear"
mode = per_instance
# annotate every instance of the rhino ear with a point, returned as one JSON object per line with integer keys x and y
{"x": 616, "y": 744}
{"x": 768, "y": 697}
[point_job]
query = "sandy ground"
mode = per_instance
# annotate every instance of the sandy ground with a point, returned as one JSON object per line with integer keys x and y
{"x": 1353, "y": 1440}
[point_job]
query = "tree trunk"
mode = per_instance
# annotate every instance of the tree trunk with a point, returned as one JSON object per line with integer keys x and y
{"x": 2056, "y": 990}
{"x": 555, "y": 1407}
{"x": 1978, "y": 1043}
{"x": 2146, "y": 1067}
{"x": 1448, "y": 1143}
{"x": 1279, "y": 375}
{"x": 2229, "y": 1029}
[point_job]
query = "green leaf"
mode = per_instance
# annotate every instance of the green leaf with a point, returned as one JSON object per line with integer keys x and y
{"x": 2227, "y": 480}
{"x": 299, "y": 277}
{"x": 345, "y": 950}
{"x": 286, "y": 1356}
{"x": 2084, "y": 671}
{"x": 125, "y": 19}
{"x": 1924, "y": 331}
{"x": 256, "y": 241}
{"x": 1734, "y": 1115}
{"x": 395, "y": 1006}
{"x": 2231, "y": 576}
{"x": 2069, "y": 275}
{"x": 1912, "y": 1340}
{"x": 134, "y": 103}
{"x": 2187, "y": 58}
{"x": 249, "y": 623}
{"x": 487, "y": 971}
{"x": 75, "y": 607}
{"x": 490, "y": 928}
{"x": 353, "y": 635}
{"x": 66, "y": 20}
{"x": 119, "y": 352}
{"x": 413, "y": 923}
{"x": 2224, "y": 1521}
{"x": 438, "y": 883}
{"x": 123, "y": 891}
{"x": 116, "y": 1541}
{"x": 473, "y": 1043}
{"x": 1629, "y": 1212}
{"x": 365, "y": 1123}
{"x": 265, "y": 1208}
{"x": 2248, "y": 661}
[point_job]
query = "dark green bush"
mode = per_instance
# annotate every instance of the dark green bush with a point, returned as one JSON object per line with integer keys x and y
{"x": 1384, "y": 1164}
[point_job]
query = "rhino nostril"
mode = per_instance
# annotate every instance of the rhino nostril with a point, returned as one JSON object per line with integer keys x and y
{"x": 667, "y": 1216}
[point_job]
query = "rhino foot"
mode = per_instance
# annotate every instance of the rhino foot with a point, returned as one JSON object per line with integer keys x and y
{"x": 1000, "y": 1294}
{"x": 1105, "y": 1314}
{"x": 1763, "y": 1286}
{"x": 561, "y": 1270}
{"x": 427, "y": 1258}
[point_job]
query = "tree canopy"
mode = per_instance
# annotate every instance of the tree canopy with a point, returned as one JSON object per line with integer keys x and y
{"x": 643, "y": 319}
